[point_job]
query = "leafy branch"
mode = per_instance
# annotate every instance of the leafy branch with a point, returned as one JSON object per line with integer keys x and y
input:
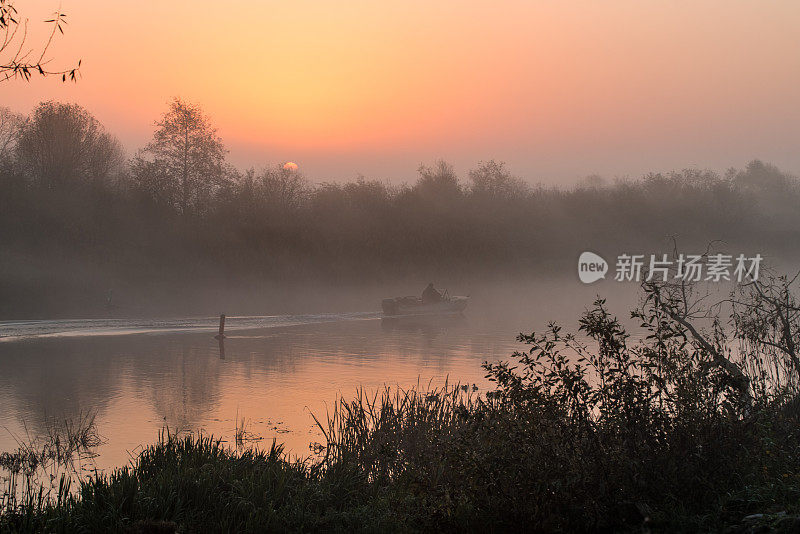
{"x": 17, "y": 60}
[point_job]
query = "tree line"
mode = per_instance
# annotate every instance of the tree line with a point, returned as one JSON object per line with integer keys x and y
{"x": 69, "y": 193}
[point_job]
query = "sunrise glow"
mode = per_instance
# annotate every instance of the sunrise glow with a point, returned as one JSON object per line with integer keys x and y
{"x": 558, "y": 90}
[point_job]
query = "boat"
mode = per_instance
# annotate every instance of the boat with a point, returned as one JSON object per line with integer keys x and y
{"x": 415, "y": 306}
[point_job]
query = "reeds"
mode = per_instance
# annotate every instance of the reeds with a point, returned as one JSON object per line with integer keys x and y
{"x": 44, "y": 468}
{"x": 370, "y": 429}
{"x": 243, "y": 435}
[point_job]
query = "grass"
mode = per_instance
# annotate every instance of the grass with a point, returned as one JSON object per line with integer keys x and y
{"x": 658, "y": 435}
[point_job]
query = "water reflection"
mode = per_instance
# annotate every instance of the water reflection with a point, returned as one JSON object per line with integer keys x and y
{"x": 191, "y": 381}
{"x": 428, "y": 326}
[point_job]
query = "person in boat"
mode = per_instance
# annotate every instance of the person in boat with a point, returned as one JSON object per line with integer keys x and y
{"x": 430, "y": 295}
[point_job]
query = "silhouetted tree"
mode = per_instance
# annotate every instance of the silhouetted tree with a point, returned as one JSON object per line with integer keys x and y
{"x": 283, "y": 190}
{"x": 437, "y": 182}
{"x": 184, "y": 164}
{"x": 10, "y": 126}
{"x": 64, "y": 144}
{"x": 491, "y": 179}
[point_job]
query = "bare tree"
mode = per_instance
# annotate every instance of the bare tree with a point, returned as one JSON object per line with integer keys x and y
{"x": 766, "y": 318}
{"x": 686, "y": 304}
{"x": 17, "y": 60}
{"x": 765, "y": 321}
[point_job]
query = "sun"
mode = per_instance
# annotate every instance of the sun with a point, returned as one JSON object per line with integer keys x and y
{"x": 290, "y": 166}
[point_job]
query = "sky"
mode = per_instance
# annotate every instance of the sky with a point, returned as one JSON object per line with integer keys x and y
{"x": 556, "y": 89}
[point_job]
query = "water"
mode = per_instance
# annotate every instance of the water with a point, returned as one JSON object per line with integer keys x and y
{"x": 275, "y": 371}
{"x": 19, "y": 330}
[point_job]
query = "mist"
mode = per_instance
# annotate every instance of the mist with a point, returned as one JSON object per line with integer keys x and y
{"x": 175, "y": 229}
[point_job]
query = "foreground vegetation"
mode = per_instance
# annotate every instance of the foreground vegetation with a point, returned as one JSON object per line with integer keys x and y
{"x": 678, "y": 432}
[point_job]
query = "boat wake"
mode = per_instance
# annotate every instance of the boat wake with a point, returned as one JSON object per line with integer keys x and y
{"x": 20, "y": 330}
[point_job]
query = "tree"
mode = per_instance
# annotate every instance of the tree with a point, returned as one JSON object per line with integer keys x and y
{"x": 492, "y": 179}
{"x": 438, "y": 182}
{"x": 762, "y": 178}
{"x": 10, "y": 126}
{"x": 184, "y": 164}
{"x": 271, "y": 198}
{"x": 63, "y": 144}
{"x": 593, "y": 181}
{"x": 766, "y": 318}
{"x": 18, "y": 61}
{"x": 282, "y": 189}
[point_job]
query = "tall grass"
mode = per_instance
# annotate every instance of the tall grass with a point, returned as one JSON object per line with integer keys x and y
{"x": 43, "y": 470}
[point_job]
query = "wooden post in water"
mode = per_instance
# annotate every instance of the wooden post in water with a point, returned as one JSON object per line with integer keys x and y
{"x": 221, "y": 334}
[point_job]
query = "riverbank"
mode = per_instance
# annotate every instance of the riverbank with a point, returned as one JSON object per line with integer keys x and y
{"x": 433, "y": 463}
{"x": 654, "y": 436}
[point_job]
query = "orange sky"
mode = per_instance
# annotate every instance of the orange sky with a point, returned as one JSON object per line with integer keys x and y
{"x": 557, "y": 89}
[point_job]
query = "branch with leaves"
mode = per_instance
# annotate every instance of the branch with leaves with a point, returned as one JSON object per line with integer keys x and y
{"x": 17, "y": 60}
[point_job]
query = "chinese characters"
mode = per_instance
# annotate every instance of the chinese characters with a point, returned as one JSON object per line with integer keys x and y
{"x": 688, "y": 268}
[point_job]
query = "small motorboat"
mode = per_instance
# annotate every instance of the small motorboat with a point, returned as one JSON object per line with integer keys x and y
{"x": 415, "y": 306}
